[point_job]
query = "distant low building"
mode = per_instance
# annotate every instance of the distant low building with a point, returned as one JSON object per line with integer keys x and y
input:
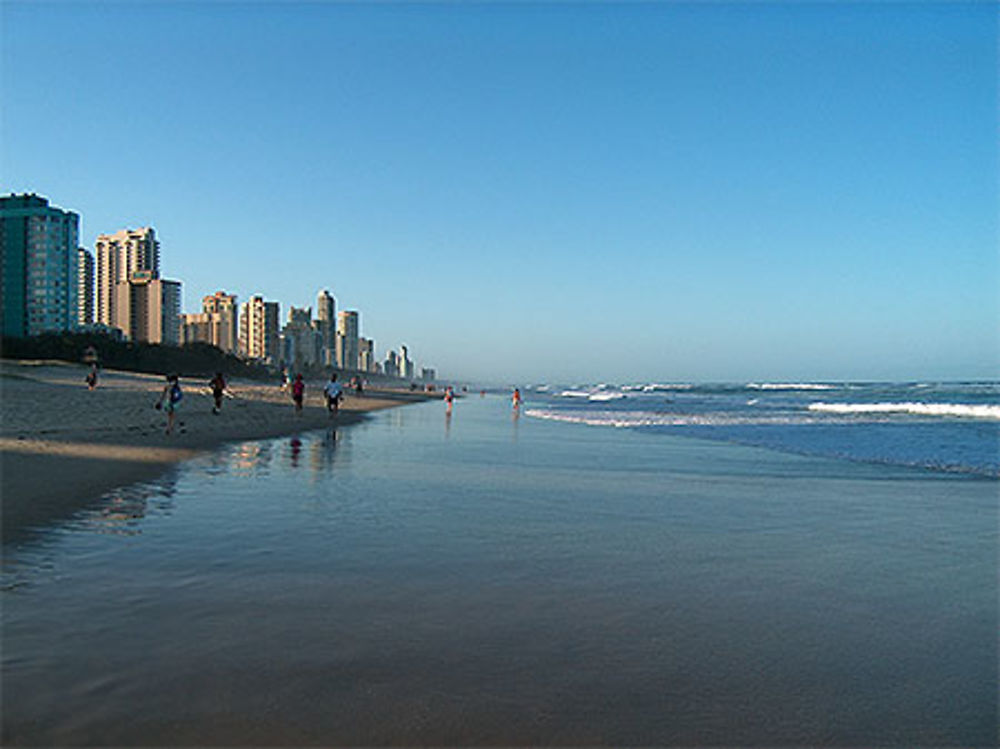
{"x": 196, "y": 327}
{"x": 215, "y": 324}
{"x": 428, "y": 375}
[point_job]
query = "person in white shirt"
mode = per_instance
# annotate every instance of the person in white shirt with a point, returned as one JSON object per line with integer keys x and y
{"x": 333, "y": 392}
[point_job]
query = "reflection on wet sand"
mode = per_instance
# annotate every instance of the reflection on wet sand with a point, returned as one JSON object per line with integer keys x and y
{"x": 322, "y": 452}
{"x": 121, "y": 511}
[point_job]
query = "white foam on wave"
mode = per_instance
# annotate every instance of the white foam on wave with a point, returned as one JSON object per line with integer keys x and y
{"x": 789, "y": 386}
{"x": 574, "y": 394}
{"x": 606, "y": 396}
{"x": 921, "y": 409}
{"x": 653, "y": 419}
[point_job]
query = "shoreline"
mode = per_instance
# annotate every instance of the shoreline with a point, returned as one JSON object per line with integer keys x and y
{"x": 62, "y": 446}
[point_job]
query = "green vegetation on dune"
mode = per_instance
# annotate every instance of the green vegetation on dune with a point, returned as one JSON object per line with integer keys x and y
{"x": 193, "y": 359}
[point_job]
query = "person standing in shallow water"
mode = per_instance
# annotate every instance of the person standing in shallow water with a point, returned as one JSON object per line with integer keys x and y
{"x": 218, "y": 385}
{"x": 449, "y": 397}
{"x": 298, "y": 393}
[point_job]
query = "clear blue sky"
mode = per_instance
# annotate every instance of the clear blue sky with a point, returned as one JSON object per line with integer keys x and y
{"x": 650, "y": 191}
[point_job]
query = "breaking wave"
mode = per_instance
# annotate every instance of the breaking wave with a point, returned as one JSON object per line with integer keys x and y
{"x": 920, "y": 409}
{"x": 657, "y": 419}
{"x": 790, "y": 386}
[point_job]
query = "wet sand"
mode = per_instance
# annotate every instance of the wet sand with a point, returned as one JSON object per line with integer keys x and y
{"x": 62, "y": 445}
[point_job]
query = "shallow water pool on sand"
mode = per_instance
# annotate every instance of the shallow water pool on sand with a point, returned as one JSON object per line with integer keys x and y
{"x": 420, "y": 579}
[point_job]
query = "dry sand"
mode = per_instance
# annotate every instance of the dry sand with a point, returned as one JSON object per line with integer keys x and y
{"x": 62, "y": 445}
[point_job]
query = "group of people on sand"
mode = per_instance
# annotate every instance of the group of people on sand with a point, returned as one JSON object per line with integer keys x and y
{"x": 171, "y": 396}
{"x": 333, "y": 393}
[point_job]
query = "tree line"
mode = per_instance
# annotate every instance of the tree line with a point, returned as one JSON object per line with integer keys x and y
{"x": 191, "y": 359}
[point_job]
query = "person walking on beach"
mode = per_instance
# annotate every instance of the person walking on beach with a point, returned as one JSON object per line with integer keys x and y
{"x": 298, "y": 393}
{"x": 333, "y": 392}
{"x": 218, "y": 385}
{"x": 170, "y": 400}
{"x": 515, "y": 400}
{"x": 91, "y": 378}
{"x": 449, "y": 397}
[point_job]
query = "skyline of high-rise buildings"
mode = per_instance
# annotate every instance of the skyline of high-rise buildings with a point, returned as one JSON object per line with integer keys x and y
{"x": 52, "y": 284}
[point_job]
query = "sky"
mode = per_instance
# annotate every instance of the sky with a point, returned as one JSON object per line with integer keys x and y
{"x": 531, "y": 192}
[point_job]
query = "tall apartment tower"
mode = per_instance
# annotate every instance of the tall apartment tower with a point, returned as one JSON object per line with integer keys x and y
{"x": 222, "y": 319}
{"x": 260, "y": 330}
{"x": 85, "y": 286}
{"x": 347, "y": 339}
{"x": 326, "y": 314}
{"x": 39, "y": 269}
{"x": 391, "y": 366}
{"x": 148, "y": 308}
{"x": 406, "y": 367}
{"x": 301, "y": 340}
{"x": 366, "y": 355}
{"x": 119, "y": 255}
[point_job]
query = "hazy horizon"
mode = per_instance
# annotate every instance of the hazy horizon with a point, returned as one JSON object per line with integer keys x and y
{"x": 651, "y": 192}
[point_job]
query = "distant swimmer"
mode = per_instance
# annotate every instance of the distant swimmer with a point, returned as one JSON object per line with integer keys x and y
{"x": 516, "y": 400}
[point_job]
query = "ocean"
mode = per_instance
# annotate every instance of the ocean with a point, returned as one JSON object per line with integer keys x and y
{"x": 648, "y": 565}
{"x": 951, "y": 427}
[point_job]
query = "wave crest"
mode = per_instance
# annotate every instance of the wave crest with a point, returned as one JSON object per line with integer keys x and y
{"x": 921, "y": 409}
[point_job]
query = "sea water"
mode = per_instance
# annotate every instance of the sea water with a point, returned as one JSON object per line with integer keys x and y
{"x": 502, "y": 577}
{"x": 951, "y": 426}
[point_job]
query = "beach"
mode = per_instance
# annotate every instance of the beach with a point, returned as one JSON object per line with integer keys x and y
{"x": 62, "y": 445}
{"x": 474, "y": 577}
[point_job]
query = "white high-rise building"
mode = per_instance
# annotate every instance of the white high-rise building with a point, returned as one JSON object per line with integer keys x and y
{"x": 260, "y": 330}
{"x": 406, "y": 367}
{"x": 326, "y": 324}
{"x": 347, "y": 339}
{"x": 120, "y": 255}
